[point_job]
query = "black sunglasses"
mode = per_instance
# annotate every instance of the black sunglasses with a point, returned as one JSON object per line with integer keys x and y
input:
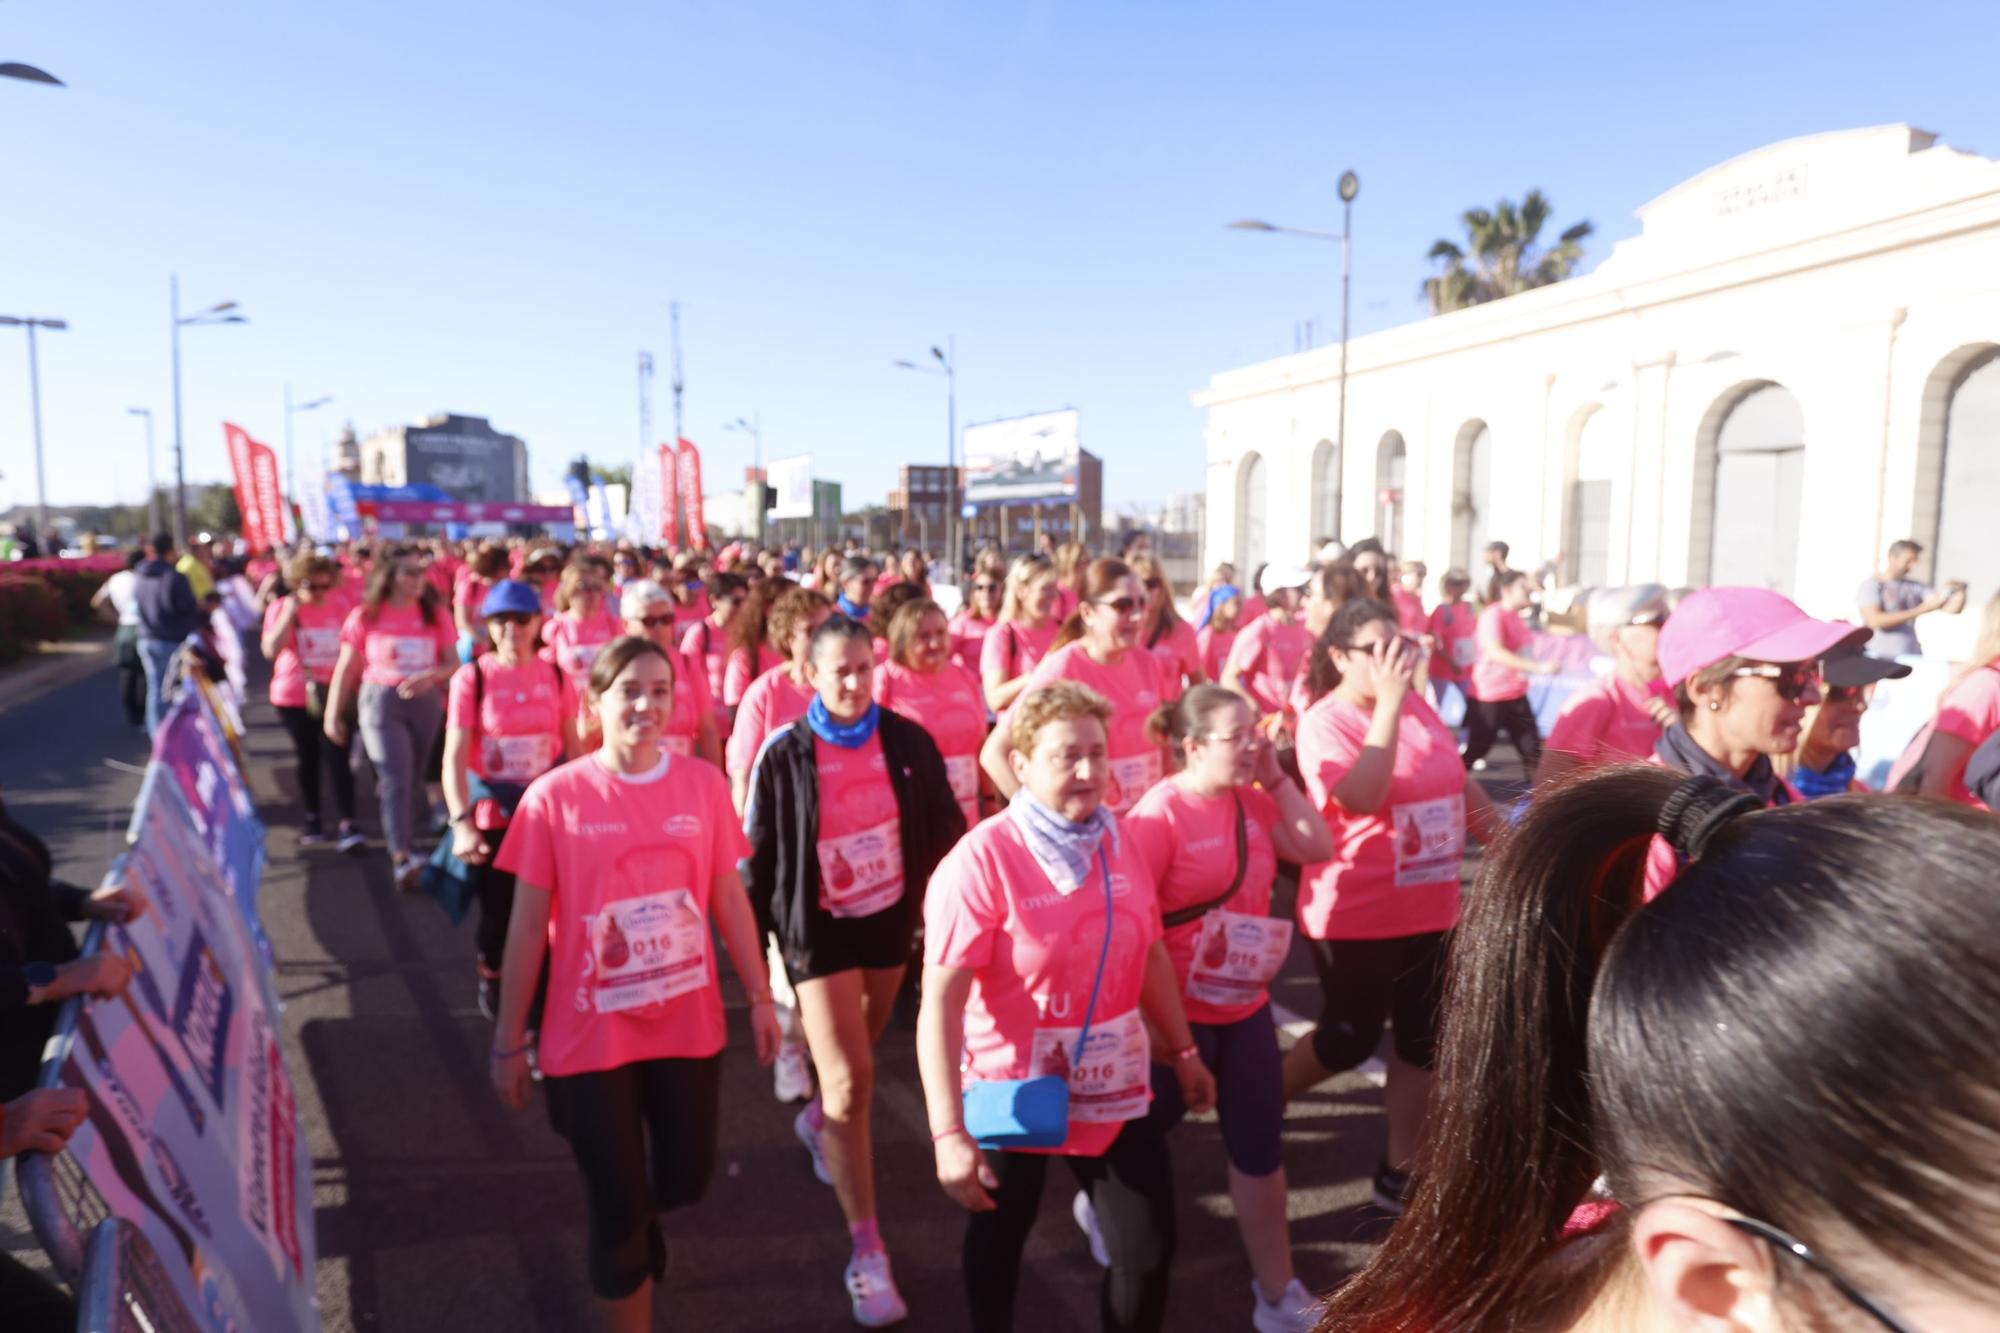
{"x": 1799, "y": 1250}
{"x": 510, "y": 617}
{"x": 656, "y": 622}
{"x": 1791, "y": 682}
{"x": 1124, "y": 606}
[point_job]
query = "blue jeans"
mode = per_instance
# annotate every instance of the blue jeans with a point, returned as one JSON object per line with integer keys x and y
{"x": 157, "y": 656}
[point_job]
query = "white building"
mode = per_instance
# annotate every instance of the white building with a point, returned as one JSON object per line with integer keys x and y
{"x": 1796, "y": 362}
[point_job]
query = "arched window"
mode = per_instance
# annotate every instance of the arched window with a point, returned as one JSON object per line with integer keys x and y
{"x": 1325, "y": 492}
{"x": 1965, "y": 496}
{"x": 1250, "y": 516}
{"x": 1587, "y": 528}
{"x": 1391, "y": 464}
{"x": 1755, "y": 456}
{"x": 1471, "y": 492}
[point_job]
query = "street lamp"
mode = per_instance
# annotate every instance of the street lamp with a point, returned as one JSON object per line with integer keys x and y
{"x": 947, "y": 365}
{"x": 292, "y": 410}
{"x": 152, "y": 482}
{"x": 220, "y": 313}
{"x": 754, "y": 428}
{"x": 30, "y": 323}
{"x": 1350, "y": 187}
{"x": 29, "y": 74}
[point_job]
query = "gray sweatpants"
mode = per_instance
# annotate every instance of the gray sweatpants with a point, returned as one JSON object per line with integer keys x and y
{"x": 398, "y": 734}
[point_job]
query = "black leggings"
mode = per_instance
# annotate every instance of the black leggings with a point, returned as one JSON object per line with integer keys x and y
{"x": 312, "y": 747}
{"x": 1363, "y": 983}
{"x": 1131, "y": 1187}
{"x": 617, "y": 1121}
{"x": 495, "y": 889}
{"x": 1485, "y": 719}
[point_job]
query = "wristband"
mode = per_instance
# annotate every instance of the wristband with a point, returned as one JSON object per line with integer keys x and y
{"x": 944, "y": 1134}
{"x": 522, "y": 1049}
{"x": 1186, "y": 1053}
{"x": 763, "y": 997}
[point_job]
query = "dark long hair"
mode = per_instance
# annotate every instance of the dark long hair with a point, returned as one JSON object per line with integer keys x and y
{"x": 1321, "y": 674}
{"x": 1805, "y": 1027}
{"x": 382, "y": 577}
{"x": 1100, "y": 577}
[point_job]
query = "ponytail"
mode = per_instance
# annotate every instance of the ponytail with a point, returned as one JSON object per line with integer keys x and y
{"x": 1512, "y": 1149}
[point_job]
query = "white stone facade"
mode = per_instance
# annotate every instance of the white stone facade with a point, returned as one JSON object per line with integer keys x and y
{"x": 1859, "y": 271}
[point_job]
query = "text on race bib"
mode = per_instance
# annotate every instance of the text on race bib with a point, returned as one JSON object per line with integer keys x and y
{"x": 1235, "y": 957}
{"x": 518, "y": 758}
{"x": 862, "y": 873}
{"x": 1131, "y": 778}
{"x": 646, "y": 951}
{"x": 1109, "y": 1078}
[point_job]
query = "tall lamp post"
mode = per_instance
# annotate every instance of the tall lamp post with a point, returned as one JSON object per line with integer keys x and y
{"x": 220, "y": 313}
{"x": 292, "y": 410}
{"x": 946, "y": 358}
{"x": 1350, "y": 187}
{"x": 152, "y": 481}
{"x": 30, "y": 323}
{"x": 754, "y": 428}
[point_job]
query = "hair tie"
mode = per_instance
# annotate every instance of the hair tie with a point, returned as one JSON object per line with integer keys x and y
{"x": 1697, "y": 811}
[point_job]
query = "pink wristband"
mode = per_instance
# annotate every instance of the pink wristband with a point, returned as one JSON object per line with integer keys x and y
{"x": 944, "y": 1134}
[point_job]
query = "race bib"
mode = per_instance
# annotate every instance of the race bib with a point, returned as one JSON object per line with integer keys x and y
{"x": 410, "y": 654}
{"x": 681, "y": 746}
{"x": 862, "y": 873}
{"x": 1131, "y": 778}
{"x": 519, "y": 758}
{"x": 1430, "y": 840}
{"x": 648, "y": 950}
{"x": 319, "y": 649}
{"x": 1235, "y": 957}
{"x": 1464, "y": 652}
{"x": 1108, "y": 1079}
{"x": 582, "y": 656}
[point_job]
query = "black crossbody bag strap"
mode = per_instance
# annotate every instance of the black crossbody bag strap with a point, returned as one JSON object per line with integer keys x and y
{"x": 1181, "y": 916}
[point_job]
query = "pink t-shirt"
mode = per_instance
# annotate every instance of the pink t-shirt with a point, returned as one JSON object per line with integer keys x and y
{"x": 708, "y": 647}
{"x": 518, "y": 733}
{"x": 575, "y": 643}
{"x": 1455, "y": 626}
{"x": 772, "y": 700}
{"x": 1012, "y": 650}
{"x": 1033, "y": 951}
{"x": 1214, "y": 646}
{"x": 1133, "y": 689}
{"x": 692, "y": 703}
{"x": 1267, "y": 655}
{"x": 1188, "y": 843}
{"x": 1970, "y": 711}
{"x": 1607, "y": 722}
{"x": 949, "y": 705}
{"x": 311, "y": 649}
{"x": 1179, "y": 656}
{"x": 860, "y": 840}
{"x": 1495, "y": 681}
{"x": 968, "y": 635}
{"x": 741, "y": 671}
{"x": 1067, "y": 601}
{"x": 1395, "y": 872}
{"x": 397, "y": 644}
{"x": 629, "y": 864}
{"x": 1410, "y": 612}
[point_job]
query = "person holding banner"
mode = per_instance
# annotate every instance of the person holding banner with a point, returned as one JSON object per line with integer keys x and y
{"x": 401, "y": 645}
{"x": 511, "y": 717}
{"x": 623, "y": 859}
{"x": 301, "y": 640}
{"x": 691, "y": 731}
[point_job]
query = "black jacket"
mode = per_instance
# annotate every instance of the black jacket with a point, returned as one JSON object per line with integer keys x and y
{"x": 33, "y": 908}
{"x": 167, "y": 608}
{"x": 783, "y": 821}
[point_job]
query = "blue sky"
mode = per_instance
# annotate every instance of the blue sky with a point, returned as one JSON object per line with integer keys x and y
{"x": 486, "y": 208}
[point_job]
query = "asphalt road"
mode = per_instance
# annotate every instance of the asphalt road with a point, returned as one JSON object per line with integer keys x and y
{"x": 440, "y": 1210}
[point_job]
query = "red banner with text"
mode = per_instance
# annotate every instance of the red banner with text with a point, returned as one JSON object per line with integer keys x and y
{"x": 670, "y": 486}
{"x": 254, "y": 471}
{"x": 690, "y": 474}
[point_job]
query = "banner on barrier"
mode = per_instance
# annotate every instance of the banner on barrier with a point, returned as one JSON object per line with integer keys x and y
{"x": 126, "y": 1287}
{"x": 193, "y": 749}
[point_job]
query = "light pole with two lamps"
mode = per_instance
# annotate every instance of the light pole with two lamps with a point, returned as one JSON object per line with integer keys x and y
{"x": 1350, "y": 186}
{"x": 31, "y": 323}
{"x": 947, "y": 365}
{"x": 220, "y": 313}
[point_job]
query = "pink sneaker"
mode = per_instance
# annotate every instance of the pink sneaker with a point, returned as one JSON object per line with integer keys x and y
{"x": 877, "y": 1303}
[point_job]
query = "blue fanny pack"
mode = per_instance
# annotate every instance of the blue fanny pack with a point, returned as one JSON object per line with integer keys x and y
{"x": 1034, "y": 1112}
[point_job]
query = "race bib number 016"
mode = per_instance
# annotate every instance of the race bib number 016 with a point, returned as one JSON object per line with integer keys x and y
{"x": 1235, "y": 957}
{"x": 862, "y": 873}
{"x": 1108, "y": 1078}
{"x": 648, "y": 950}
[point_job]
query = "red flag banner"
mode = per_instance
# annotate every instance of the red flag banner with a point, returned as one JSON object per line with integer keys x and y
{"x": 690, "y": 471}
{"x": 243, "y": 472}
{"x": 270, "y": 494}
{"x": 670, "y": 484}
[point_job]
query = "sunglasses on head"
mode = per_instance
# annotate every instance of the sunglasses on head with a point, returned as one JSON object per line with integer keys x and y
{"x": 1790, "y": 681}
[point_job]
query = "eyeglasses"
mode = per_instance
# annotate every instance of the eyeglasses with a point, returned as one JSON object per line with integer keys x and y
{"x": 1124, "y": 606}
{"x": 1798, "y": 1249}
{"x": 656, "y": 622}
{"x": 509, "y": 618}
{"x": 1849, "y": 694}
{"x": 1791, "y": 682}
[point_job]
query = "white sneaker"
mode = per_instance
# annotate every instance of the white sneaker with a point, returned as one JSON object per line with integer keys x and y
{"x": 812, "y": 1138}
{"x": 877, "y": 1303}
{"x": 1086, "y": 1221}
{"x": 1296, "y": 1310}
{"x": 793, "y": 1072}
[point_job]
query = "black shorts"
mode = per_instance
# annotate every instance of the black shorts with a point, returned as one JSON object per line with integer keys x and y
{"x": 1364, "y": 983}
{"x": 843, "y": 943}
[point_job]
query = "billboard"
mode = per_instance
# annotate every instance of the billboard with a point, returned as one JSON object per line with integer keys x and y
{"x": 791, "y": 481}
{"x": 1023, "y": 459}
{"x": 465, "y": 456}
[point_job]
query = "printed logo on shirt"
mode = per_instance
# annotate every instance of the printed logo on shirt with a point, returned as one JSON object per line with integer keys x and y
{"x": 598, "y": 830}
{"x": 1200, "y": 845}
{"x": 683, "y": 826}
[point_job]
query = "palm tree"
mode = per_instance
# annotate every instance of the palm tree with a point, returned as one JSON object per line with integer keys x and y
{"x": 1500, "y": 258}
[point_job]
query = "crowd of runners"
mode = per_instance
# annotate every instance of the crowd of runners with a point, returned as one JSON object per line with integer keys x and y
{"x": 1699, "y": 1050}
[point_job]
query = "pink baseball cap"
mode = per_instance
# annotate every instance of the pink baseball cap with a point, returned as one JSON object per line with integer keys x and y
{"x": 1764, "y": 626}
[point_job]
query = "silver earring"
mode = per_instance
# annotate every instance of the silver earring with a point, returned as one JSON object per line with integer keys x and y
{"x": 1714, "y": 706}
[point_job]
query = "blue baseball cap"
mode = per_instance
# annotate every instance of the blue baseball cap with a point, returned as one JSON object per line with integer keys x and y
{"x": 511, "y": 595}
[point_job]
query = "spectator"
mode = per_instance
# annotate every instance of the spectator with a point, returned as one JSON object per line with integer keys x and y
{"x": 1934, "y": 764}
{"x": 198, "y": 565}
{"x": 1823, "y": 765}
{"x": 169, "y": 611}
{"x": 1891, "y": 601}
{"x": 121, "y": 593}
